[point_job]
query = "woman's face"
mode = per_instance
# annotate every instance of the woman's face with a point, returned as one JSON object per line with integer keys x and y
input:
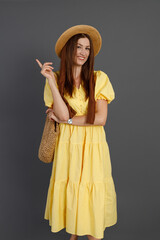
{"x": 82, "y": 51}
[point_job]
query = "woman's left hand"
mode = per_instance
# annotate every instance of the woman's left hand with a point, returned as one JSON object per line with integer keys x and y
{"x": 52, "y": 116}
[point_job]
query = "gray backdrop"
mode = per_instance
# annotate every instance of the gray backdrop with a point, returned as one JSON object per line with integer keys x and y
{"x": 130, "y": 57}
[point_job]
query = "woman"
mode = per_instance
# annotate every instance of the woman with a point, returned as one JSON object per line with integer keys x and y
{"x": 81, "y": 194}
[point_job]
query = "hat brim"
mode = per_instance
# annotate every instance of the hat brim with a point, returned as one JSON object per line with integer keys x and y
{"x": 91, "y": 31}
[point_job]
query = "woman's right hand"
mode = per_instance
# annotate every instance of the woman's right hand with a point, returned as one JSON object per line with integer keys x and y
{"x": 46, "y": 70}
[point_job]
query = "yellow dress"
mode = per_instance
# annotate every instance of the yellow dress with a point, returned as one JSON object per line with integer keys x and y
{"x": 81, "y": 195}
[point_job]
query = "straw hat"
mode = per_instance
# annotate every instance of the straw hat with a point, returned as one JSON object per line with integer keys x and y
{"x": 91, "y": 31}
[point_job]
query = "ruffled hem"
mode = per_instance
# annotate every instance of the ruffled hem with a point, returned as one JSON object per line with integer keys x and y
{"x": 101, "y": 96}
{"x": 83, "y": 208}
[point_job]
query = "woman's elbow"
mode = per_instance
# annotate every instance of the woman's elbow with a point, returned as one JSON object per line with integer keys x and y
{"x": 101, "y": 119}
{"x": 65, "y": 117}
{"x": 104, "y": 121}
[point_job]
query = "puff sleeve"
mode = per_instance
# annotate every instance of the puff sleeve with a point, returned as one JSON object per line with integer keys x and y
{"x": 47, "y": 95}
{"x": 103, "y": 87}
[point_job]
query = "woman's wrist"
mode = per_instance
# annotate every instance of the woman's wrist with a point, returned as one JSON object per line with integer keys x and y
{"x": 51, "y": 81}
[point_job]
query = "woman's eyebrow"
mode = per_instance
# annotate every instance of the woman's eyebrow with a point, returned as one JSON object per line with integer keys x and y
{"x": 82, "y": 45}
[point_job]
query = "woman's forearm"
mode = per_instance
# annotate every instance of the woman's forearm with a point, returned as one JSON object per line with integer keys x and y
{"x": 81, "y": 120}
{"x": 59, "y": 107}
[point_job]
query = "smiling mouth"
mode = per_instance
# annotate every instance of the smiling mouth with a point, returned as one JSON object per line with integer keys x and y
{"x": 81, "y": 58}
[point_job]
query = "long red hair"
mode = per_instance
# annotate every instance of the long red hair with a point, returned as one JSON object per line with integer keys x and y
{"x": 66, "y": 80}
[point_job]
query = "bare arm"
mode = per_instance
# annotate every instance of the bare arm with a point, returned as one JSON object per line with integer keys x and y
{"x": 81, "y": 120}
{"x": 100, "y": 116}
{"x": 102, "y": 109}
{"x": 59, "y": 107}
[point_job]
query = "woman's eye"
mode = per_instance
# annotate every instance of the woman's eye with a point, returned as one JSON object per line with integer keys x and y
{"x": 80, "y": 47}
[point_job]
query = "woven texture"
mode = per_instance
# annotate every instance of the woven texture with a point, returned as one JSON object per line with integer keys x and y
{"x": 90, "y": 30}
{"x": 48, "y": 141}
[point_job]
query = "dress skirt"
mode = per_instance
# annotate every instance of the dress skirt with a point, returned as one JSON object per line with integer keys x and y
{"x": 81, "y": 194}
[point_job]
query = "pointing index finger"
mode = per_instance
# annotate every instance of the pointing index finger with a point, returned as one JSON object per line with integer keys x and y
{"x": 39, "y": 63}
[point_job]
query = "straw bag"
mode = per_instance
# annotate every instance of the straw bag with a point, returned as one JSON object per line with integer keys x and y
{"x": 48, "y": 141}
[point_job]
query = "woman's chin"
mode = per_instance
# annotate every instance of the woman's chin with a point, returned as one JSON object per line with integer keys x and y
{"x": 79, "y": 64}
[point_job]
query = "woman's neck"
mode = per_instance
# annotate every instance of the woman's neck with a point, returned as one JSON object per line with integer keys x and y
{"x": 77, "y": 73}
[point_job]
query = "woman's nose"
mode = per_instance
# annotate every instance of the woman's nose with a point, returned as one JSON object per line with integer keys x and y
{"x": 83, "y": 52}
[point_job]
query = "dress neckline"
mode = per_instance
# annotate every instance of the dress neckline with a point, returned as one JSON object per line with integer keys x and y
{"x": 78, "y": 88}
